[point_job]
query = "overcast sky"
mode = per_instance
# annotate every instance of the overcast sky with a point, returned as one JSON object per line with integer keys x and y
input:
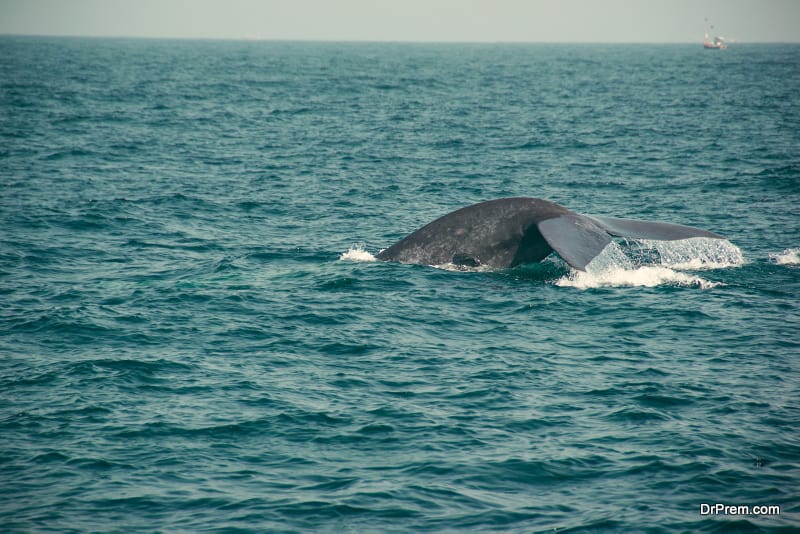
{"x": 410, "y": 20}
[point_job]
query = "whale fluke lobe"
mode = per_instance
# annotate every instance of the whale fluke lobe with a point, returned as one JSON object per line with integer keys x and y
{"x": 659, "y": 231}
{"x": 577, "y": 239}
{"x": 512, "y": 231}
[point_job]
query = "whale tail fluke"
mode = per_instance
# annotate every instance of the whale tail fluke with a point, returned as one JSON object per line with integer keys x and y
{"x": 636, "y": 229}
{"x": 578, "y": 239}
{"x": 508, "y": 232}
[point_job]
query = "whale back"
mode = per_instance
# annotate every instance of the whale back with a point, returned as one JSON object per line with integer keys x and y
{"x": 497, "y": 233}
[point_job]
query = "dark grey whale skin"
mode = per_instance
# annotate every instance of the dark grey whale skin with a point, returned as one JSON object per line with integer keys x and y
{"x": 507, "y": 232}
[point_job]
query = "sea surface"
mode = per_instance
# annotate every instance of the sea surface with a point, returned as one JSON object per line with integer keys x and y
{"x": 195, "y": 335}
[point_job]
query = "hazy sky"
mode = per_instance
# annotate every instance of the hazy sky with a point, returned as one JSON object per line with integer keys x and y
{"x": 409, "y": 20}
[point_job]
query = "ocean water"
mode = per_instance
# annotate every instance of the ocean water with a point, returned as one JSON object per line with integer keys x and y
{"x": 195, "y": 336}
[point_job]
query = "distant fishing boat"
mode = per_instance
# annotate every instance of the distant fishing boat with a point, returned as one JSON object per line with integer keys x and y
{"x": 717, "y": 43}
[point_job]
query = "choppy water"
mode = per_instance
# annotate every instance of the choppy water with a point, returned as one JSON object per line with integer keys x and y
{"x": 193, "y": 336}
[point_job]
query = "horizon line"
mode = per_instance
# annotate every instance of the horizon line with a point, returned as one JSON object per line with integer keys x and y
{"x": 248, "y": 38}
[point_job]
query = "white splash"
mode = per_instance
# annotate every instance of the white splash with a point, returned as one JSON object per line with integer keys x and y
{"x": 696, "y": 253}
{"x": 357, "y": 252}
{"x": 646, "y": 276}
{"x": 655, "y": 263}
{"x": 464, "y": 268}
{"x": 790, "y": 256}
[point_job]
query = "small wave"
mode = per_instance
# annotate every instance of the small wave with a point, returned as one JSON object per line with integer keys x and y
{"x": 357, "y": 253}
{"x": 790, "y": 256}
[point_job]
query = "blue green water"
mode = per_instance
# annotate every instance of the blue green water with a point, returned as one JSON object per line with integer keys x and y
{"x": 194, "y": 335}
